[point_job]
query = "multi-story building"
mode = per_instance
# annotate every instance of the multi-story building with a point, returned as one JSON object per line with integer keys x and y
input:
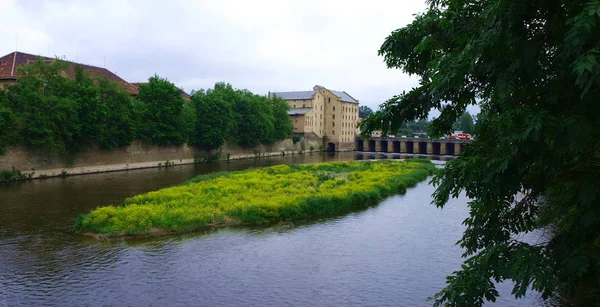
{"x": 327, "y": 114}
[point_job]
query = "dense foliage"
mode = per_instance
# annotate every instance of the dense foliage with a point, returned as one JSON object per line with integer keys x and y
{"x": 162, "y": 114}
{"x": 277, "y": 193}
{"x": 53, "y": 113}
{"x": 57, "y": 107}
{"x": 533, "y": 66}
{"x": 364, "y": 111}
{"x": 465, "y": 123}
{"x": 240, "y": 116}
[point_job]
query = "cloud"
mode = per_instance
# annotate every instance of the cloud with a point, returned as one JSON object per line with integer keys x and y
{"x": 259, "y": 45}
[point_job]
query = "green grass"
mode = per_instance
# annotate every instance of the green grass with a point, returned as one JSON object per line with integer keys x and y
{"x": 257, "y": 196}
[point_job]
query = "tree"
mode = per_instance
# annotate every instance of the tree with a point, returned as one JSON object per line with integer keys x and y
{"x": 282, "y": 125}
{"x": 465, "y": 123}
{"x": 214, "y": 118}
{"x": 364, "y": 111}
{"x": 162, "y": 115}
{"x": 533, "y": 66}
{"x": 117, "y": 121}
{"x": 8, "y": 133}
{"x": 45, "y": 113}
{"x": 57, "y": 107}
{"x": 254, "y": 118}
{"x": 104, "y": 112}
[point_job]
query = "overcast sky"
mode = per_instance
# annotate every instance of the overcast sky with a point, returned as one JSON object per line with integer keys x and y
{"x": 258, "y": 45}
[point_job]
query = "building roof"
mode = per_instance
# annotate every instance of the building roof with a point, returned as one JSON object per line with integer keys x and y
{"x": 307, "y": 95}
{"x": 183, "y": 95}
{"x": 301, "y": 111}
{"x": 302, "y": 95}
{"x": 10, "y": 62}
{"x": 344, "y": 96}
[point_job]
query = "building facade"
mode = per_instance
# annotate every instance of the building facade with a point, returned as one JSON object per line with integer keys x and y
{"x": 324, "y": 113}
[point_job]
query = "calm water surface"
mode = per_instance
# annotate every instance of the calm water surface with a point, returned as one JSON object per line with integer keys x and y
{"x": 393, "y": 254}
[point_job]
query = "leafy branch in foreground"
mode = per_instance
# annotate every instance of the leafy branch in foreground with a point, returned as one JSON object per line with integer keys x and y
{"x": 533, "y": 67}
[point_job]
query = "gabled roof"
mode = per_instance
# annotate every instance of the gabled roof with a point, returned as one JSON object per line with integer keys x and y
{"x": 183, "y": 95}
{"x": 344, "y": 96}
{"x": 307, "y": 95}
{"x": 10, "y": 62}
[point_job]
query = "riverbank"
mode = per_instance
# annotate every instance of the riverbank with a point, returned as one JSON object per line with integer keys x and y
{"x": 20, "y": 163}
{"x": 257, "y": 196}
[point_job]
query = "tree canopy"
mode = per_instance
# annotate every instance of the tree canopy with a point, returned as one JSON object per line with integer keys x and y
{"x": 58, "y": 107}
{"x": 50, "y": 112}
{"x": 228, "y": 114}
{"x": 465, "y": 123}
{"x": 533, "y": 67}
{"x": 364, "y": 111}
{"x": 163, "y": 106}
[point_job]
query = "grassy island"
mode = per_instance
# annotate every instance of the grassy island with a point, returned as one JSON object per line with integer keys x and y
{"x": 256, "y": 196}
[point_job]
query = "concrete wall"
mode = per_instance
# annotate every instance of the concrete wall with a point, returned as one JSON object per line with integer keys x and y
{"x": 137, "y": 156}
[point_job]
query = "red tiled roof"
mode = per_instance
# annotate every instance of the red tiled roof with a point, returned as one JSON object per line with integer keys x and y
{"x": 10, "y": 62}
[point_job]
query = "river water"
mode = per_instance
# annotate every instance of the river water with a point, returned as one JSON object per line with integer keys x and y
{"x": 394, "y": 254}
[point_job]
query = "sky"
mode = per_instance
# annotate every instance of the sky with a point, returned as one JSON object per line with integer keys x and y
{"x": 258, "y": 45}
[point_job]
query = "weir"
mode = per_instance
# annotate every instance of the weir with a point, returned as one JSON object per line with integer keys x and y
{"x": 422, "y": 146}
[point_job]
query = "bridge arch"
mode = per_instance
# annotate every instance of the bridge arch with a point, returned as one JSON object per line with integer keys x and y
{"x": 372, "y": 145}
{"x": 437, "y": 148}
{"x": 396, "y": 146}
{"x": 384, "y": 145}
{"x": 410, "y": 147}
{"x": 422, "y": 148}
{"x": 360, "y": 145}
{"x": 450, "y": 149}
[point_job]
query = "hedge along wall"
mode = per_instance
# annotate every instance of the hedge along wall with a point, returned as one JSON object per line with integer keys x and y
{"x": 134, "y": 156}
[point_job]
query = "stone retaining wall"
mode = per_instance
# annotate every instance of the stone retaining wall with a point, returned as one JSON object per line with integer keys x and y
{"x": 137, "y": 155}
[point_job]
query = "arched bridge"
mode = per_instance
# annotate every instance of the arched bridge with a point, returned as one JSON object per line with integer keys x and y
{"x": 424, "y": 146}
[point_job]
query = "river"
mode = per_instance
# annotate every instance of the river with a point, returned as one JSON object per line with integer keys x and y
{"x": 394, "y": 254}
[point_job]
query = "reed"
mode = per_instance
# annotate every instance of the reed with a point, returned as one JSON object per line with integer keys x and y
{"x": 257, "y": 196}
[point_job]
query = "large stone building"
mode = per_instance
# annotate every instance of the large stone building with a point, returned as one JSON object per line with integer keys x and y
{"x": 324, "y": 113}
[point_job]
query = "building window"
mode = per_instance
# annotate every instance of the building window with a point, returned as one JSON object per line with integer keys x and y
{"x": 333, "y": 116}
{"x": 333, "y": 124}
{"x": 304, "y": 105}
{"x": 294, "y": 106}
{"x": 328, "y": 99}
{"x": 333, "y": 132}
{"x": 334, "y": 108}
